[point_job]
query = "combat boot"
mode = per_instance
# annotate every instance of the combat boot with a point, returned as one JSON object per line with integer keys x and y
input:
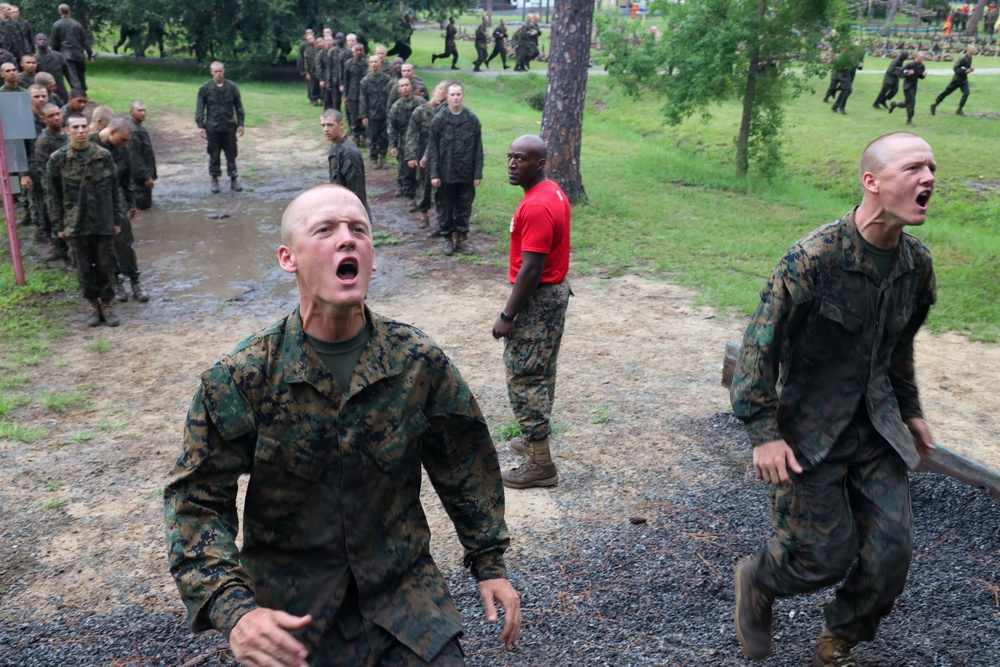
{"x": 449, "y": 245}
{"x": 832, "y": 651}
{"x": 753, "y": 612}
{"x": 120, "y": 294}
{"x": 138, "y": 292}
{"x": 93, "y": 313}
{"x": 108, "y": 311}
{"x": 215, "y": 185}
{"x": 537, "y": 471}
{"x": 460, "y": 247}
{"x": 521, "y": 446}
{"x": 959, "y": 112}
{"x": 934, "y": 109}
{"x": 234, "y": 184}
{"x": 413, "y": 206}
{"x": 425, "y": 220}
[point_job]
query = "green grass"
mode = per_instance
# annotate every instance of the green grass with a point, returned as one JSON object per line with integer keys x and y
{"x": 10, "y": 430}
{"x": 78, "y": 438}
{"x": 56, "y": 501}
{"x": 385, "y": 238}
{"x": 61, "y": 402}
{"x": 508, "y": 430}
{"x": 101, "y": 346}
{"x": 600, "y": 414}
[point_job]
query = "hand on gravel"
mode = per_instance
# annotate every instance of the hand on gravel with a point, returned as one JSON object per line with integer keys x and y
{"x": 772, "y": 460}
{"x": 500, "y": 590}
{"x": 261, "y": 639}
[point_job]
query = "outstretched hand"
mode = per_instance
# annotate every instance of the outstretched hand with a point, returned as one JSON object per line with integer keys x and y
{"x": 500, "y": 590}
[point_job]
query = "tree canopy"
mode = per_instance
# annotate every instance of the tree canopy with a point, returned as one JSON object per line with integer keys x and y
{"x": 757, "y": 51}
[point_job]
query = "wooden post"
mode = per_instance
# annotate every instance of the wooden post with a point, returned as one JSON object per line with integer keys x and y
{"x": 942, "y": 460}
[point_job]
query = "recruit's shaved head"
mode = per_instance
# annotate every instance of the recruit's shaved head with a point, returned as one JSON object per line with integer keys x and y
{"x": 880, "y": 151}
{"x": 531, "y": 145}
{"x": 333, "y": 114}
{"x": 307, "y": 200}
{"x": 120, "y": 125}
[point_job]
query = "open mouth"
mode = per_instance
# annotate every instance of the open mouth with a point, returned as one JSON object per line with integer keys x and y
{"x": 923, "y": 198}
{"x": 348, "y": 270}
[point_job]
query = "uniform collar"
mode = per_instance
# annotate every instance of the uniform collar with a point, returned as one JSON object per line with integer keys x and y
{"x": 856, "y": 259}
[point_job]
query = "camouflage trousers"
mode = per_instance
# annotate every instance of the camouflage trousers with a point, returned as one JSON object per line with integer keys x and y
{"x": 94, "y": 257}
{"x": 530, "y": 356}
{"x": 854, "y": 504}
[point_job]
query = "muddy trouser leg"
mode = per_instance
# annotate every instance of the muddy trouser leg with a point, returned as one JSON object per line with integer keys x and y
{"x": 36, "y": 202}
{"x": 464, "y": 194}
{"x": 229, "y": 147}
{"x": 423, "y": 189}
{"x": 454, "y": 56}
{"x": 407, "y": 177}
{"x": 337, "y": 102}
{"x": 126, "y": 262}
{"x": 353, "y": 110}
{"x": 911, "y": 102}
{"x": 378, "y": 140}
{"x": 856, "y": 503}
{"x": 95, "y": 265}
{"x": 445, "y": 201}
{"x": 215, "y": 141}
{"x": 965, "y": 94}
{"x": 143, "y": 195}
{"x": 530, "y": 356}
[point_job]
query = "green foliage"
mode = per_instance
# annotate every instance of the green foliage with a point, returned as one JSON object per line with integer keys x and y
{"x": 536, "y": 100}
{"x": 10, "y": 402}
{"x": 63, "y": 402}
{"x": 56, "y": 501}
{"x": 101, "y": 346}
{"x": 14, "y": 431}
{"x": 509, "y": 430}
{"x": 384, "y": 238}
{"x": 714, "y": 51}
{"x": 600, "y": 414}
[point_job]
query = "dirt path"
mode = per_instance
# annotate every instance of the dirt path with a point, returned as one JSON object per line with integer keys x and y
{"x": 638, "y": 358}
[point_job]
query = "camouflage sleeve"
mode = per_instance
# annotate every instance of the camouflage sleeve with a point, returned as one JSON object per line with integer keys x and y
{"x": 238, "y": 107}
{"x": 200, "y": 505}
{"x": 412, "y": 137}
{"x": 199, "y": 109}
{"x": 901, "y": 370}
{"x": 363, "y": 99}
{"x": 477, "y": 148}
{"x": 394, "y": 125}
{"x": 754, "y": 392}
{"x": 53, "y": 195}
{"x": 352, "y": 168}
{"x": 462, "y": 464}
{"x": 433, "y": 139}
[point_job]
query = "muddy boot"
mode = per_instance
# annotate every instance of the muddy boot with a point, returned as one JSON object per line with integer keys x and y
{"x": 537, "y": 471}
{"x": 460, "y": 244}
{"x": 108, "y": 311}
{"x": 449, "y": 244}
{"x": 425, "y": 220}
{"x": 215, "y": 185}
{"x": 753, "y": 612}
{"x": 934, "y": 109}
{"x": 434, "y": 232}
{"x": 54, "y": 254}
{"x": 521, "y": 446}
{"x": 959, "y": 112}
{"x": 138, "y": 292}
{"x": 120, "y": 294}
{"x": 832, "y": 651}
{"x": 234, "y": 184}
{"x": 93, "y": 313}
{"x": 413, "y": 206}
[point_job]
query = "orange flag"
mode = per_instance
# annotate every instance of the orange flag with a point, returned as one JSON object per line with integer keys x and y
{"x": 947, "y": 26}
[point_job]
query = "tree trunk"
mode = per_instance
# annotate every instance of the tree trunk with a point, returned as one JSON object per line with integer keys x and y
{"x": 916, "y": 19}
{"x": 891, "y": 14}
{"x": 489, "y": 10}
{"x": 743, "y": 141}
{"x": 562, "y": 119}
{"x": 974, "y": 18}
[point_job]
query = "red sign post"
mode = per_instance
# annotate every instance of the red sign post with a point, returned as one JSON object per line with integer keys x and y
{"x": 8, "y": 211}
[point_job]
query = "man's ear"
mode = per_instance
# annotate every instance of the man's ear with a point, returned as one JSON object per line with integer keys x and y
{"x": 286, "y": 260}
{"x": 869, "y": 182}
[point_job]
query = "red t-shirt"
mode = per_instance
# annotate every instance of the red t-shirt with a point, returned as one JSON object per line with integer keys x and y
{"x": 541, "y": 224}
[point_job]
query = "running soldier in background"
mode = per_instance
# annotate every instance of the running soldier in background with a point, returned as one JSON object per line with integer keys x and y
{"x": 482, "y": 42}
{"x": 450, "y": 32}
{"x": 499, "y": 44}
{"x": 69, "y": 38}
{"x": 416, "y": 149}
{"x": 144, "y": 161}
{"x": 533, "y": 318}
{"x": 84, "y": 202}
{"x": 399, "y": 120}
{"x": 890, "y": 82}
{"x": 959, "y": 81}
{"x": 49, "y": 141}
{"x": 346, "y": 166}
{"x": 846, "y": 87}
{"x": 911, "y": 73}
{"x": 455, "y": 160}
{"x": 373, "y": 111}
{"x": 354, "y": 72}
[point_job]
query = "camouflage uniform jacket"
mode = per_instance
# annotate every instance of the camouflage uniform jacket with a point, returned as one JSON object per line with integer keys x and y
{"x": 81, "y": 192}
{"x": 347, "y": 168}
{"x": 122, "y": 156}
{"x": 418, "y": 130}
{"x": 482, "y": 40}
{"x": 500, "y": 35}
{"x": 332, "y": 68}
{"x": 334, "y": 491}
{"x": 46, "y": 144}
{"x": 55, "y": 64}
{"x": 7, "y": 89}
{"x": 217, "y": 106}
{"x": 354, "y": 72}
{"x": 141, "y": 148}
{"x": 399, "y": 121}
{"x": 69, "y": 38}
{"x": 374, "y": 97}
{"x": 307, "y": 59}
{"x": 24, "y": 80}
{"x": 829, "y": 333}
{"x": 321, "y": 64}
{"x": 455, "y": 147}
{"x": 394, "y": 89}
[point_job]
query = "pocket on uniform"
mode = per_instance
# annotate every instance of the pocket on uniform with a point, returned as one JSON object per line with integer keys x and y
{"x": 841, "y": 315}
{"x": 393, "y": 450}
{"x": 283, "y": 478}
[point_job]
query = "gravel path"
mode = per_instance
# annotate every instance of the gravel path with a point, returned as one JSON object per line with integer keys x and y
{"x": 652, "y": 593}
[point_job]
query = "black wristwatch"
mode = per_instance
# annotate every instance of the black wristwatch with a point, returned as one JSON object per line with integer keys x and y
{"x": 505, "y": 317}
